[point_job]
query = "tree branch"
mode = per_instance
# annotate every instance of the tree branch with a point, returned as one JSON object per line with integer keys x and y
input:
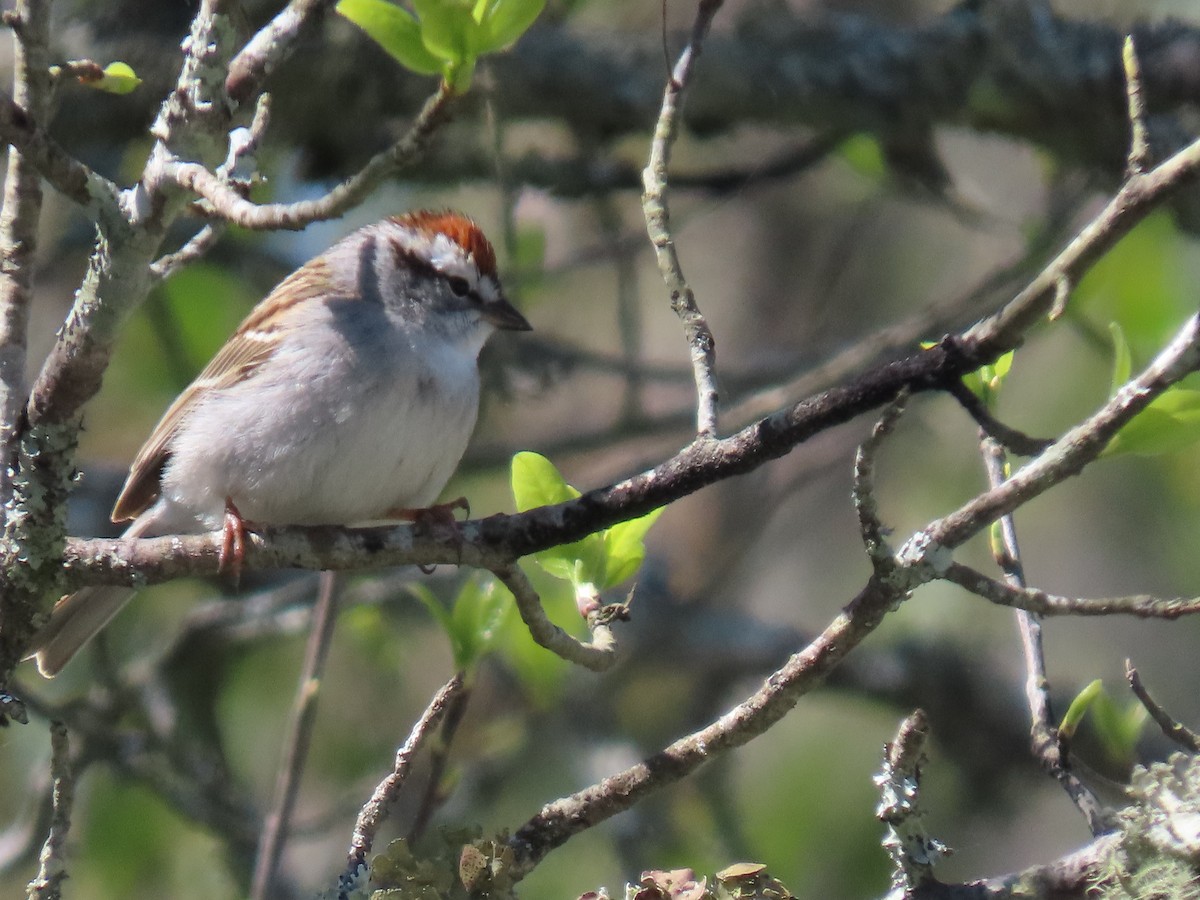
{"x": 234, "y": 208}
{"x": 654, "y": 205}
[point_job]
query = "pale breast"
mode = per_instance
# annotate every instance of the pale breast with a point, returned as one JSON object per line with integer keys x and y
{"x": 342, "y": 425}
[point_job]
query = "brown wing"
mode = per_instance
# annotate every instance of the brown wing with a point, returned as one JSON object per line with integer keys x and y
{"x": 244, "y": 352}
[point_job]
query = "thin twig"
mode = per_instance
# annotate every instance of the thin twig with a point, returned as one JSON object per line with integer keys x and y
{"x": 196, "y": 247}
{"x": 1171, "y": 727}
{"x": 1139, "y": 143}
{"x": 439, "y": 756}
{"x": 228, "y": 203}
{"x": 272, "y": 45}
{"x": 1142, "y": 606}
{"x": 304, "y": 712}
{"x": 1010, "y": 438}
{"x": 629, "y": 308}
{"x": 654, "y": 204}
{"x": 376, "y": 809}
{"x": 47, "y": 884}
{"x": 1043, "y": 734}
{"x": 598, "y": 654}
{"x": 871, "y": 529}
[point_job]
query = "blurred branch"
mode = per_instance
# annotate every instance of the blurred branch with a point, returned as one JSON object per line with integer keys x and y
{"x": 377, "y": 808}
{"x": 19, "y": 220}
{"x": 654, "y": 204}
{"x": 304, "y": 714}
{"x": 1044, "y": 736}
{"x": 1017, "y": 69}
{"x": 47, "y": 884}
{"x": 1171, "y": 727}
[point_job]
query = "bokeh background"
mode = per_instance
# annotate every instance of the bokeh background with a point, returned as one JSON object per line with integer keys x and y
{"x": 792, "y": 271}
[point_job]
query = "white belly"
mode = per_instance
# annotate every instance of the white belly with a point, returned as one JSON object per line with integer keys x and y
{"x": 322, "y": 435}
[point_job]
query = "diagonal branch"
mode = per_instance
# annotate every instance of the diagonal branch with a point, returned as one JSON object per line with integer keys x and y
{"x": 1078, "y": 447}
{"x": 66, "y": 174}
{"x": 233, "y": 207}
{"x": 377, "y": 808}
{"x": 558, "y": 821}
{"x": 264, "y": 52}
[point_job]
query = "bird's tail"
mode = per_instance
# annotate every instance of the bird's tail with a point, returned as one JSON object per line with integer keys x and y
{"x": 74, "y": 621}
{"x": 78, "y": 617}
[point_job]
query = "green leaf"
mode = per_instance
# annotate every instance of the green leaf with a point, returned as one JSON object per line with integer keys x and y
{"x": 1003, "y": 366}
{"x": 504, "y": 21}
{"x": 1079, "y": 707}
{"x": 536, "y": 482}
{"x": 1118, "y": 729}
{"x": 118, "y": 78}
{"x": 1169, "y": 424}
{"x": 473, "y": 620}
{"x": 446, "y": 28}
{"x": 986, "y": 381}
{"x": 625, "y": 548}
{"x": 1122, "y": 359}
{"x": 478, "y": 613}
{"x": 395, "y": 30}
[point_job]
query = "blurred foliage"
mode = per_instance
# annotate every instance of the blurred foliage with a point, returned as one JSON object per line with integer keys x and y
{"x": 445, "y": 37}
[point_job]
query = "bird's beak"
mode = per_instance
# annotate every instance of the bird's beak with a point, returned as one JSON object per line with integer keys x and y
{"x": 503, "y": 315}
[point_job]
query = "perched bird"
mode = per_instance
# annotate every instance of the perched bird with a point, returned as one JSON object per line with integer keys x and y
{"x": 347, "y": 396}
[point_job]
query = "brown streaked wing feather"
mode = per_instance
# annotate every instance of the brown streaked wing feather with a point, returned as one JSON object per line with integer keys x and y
{"x": 245, "y": 351}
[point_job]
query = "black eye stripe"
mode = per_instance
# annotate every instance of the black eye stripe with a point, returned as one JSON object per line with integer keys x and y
{"x": 461, "y": 286}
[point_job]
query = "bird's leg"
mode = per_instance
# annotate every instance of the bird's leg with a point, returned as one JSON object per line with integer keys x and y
{"x": 233, "y": 543}
{"x": 440, "y": 516}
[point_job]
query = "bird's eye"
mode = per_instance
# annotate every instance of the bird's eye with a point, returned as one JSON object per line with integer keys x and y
{"x": 459, "y": 285}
